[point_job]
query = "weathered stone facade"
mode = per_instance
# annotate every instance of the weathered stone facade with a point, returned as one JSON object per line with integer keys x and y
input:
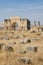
{"x": 17, "y": 23}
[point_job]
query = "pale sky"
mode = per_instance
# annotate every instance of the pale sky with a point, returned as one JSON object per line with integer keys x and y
{"x": 31, "y": 9}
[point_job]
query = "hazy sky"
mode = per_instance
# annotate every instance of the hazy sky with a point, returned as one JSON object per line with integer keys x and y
{"x": 31, "y": 9}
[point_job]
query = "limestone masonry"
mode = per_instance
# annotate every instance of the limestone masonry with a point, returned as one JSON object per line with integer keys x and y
{"x": 17, "y": 23}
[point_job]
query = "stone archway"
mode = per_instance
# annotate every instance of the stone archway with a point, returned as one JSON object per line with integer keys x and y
{"x": 14, "y": 26}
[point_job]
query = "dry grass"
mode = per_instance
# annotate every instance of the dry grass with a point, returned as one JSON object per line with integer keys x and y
{"x": 11, "y": 58}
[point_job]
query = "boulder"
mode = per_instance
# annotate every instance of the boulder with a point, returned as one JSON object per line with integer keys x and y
{"x": 16, "y": 36}
{"x": 21, "y": 51}
{"x": 26, "y": 40}
{"x": 25, "y": 60}
{"x": 6, "y": 37}
{"x": 21, "y": 42}
{"x": 32, "y": 48}
{"x": 8, "y": 48}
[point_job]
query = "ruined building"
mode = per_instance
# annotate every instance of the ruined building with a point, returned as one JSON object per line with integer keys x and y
{"x": 17, "y": 23}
